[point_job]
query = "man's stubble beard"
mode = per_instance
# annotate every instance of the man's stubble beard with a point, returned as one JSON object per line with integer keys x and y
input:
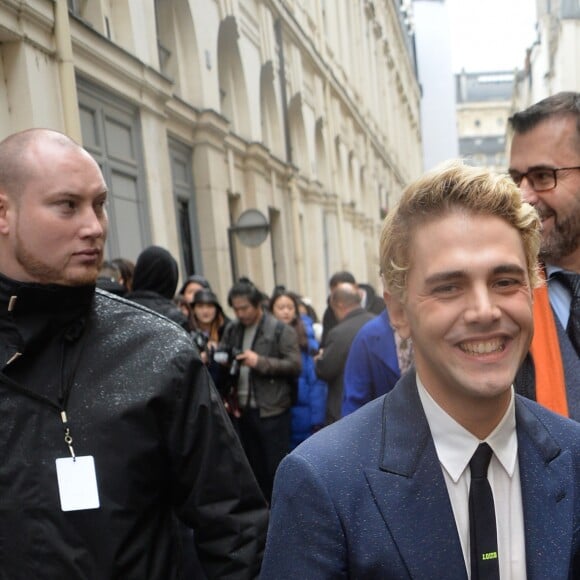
{"x": 563, "y": 240}
{"x": 43, "y": 273}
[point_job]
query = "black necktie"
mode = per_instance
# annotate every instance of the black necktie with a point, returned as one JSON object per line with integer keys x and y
{"x": 572, "y": 282}
{"x": 482, "y": 529}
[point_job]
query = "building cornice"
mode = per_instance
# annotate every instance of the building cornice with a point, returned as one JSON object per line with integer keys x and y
{"x": 130, "y": 76}
{"x": 31, "y": 22}
{"x": 213, "y": 129}
{"x": 313, "y": 193}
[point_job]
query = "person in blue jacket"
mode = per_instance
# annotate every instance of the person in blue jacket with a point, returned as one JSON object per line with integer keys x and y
{"x": 372, "y": 366}
{"x": 309, "y": 408}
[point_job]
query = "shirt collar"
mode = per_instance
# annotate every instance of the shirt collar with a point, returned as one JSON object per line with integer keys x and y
{"x": 455, "y": 445}
{"x": 551, "y": 270}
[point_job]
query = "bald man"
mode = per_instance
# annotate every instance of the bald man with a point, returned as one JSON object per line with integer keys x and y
{"x": 112, "y": 435}
{"x": 345, "y": 301}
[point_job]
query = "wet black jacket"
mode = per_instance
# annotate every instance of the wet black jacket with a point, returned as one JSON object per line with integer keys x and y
{"x": 140, "y": 402}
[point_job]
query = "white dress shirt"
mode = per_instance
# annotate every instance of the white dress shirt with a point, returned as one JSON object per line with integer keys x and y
{"x": 455, "y": 446}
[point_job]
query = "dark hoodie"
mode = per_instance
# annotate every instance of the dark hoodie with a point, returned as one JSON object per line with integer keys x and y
{"x": 198, "y": 279}
{"x": 154, "y": 283}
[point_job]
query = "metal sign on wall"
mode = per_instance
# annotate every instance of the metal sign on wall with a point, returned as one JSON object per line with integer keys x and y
{"x": 252, "y": 228}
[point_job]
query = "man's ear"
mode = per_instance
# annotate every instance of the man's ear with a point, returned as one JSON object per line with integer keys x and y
{"x": 397, "y": 315}
{"x": 4, "y": 206}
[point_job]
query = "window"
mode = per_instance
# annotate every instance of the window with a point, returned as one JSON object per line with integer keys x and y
{"x": 76, "y": 7}
{"x": 184, "y": 194}
{"x": 112, "y": 134}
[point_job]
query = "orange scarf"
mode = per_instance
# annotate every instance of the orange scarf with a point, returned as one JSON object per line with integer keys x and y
{"x": 545, "y": 349}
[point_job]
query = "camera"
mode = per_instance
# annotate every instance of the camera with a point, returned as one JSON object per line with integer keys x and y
{"x": 200, "y": 340}
{"x": 235, "y": 366}
{"x": 227, "y": 356}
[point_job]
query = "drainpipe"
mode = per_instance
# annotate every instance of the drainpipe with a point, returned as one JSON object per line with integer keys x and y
{"x": 66, "y": 69}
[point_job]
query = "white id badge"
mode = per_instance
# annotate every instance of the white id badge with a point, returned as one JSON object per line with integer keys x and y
{"x": 77, "y": 483}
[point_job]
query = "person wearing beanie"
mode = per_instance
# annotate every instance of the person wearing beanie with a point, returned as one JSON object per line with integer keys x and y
{"x": 155, "y": 282}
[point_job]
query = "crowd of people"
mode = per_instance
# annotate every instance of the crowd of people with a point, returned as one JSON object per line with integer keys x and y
{"x": 276, "y": 382}
{"x": 433, "y": 437}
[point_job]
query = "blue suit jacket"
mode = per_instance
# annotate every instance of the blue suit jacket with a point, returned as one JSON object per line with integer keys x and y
{"x": 366, "y": 498}
{"x": 372, "y": 367}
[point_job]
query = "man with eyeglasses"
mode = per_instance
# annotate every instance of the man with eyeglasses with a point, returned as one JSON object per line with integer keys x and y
{"x": 545, "y": 164}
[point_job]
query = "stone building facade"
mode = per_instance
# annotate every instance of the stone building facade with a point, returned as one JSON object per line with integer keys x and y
{"x": 483, "y": 102}
{"x": 551, "y": 63}
{"x": 199, "y": 110}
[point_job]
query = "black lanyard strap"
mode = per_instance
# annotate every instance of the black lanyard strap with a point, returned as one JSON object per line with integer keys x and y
{"x": 18, "y": 388}
{"x": 65, "y": 385}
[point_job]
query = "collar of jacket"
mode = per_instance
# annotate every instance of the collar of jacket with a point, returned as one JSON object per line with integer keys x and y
{"x": 31, "y": 312}
{"x": 355, "y": 312}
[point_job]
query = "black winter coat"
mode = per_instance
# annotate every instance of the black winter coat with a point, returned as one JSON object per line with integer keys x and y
{"x": 141, "y": 403}
{"x": 330, "y": 365}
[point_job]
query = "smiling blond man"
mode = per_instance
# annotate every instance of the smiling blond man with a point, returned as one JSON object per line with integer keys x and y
{"x": 450, "y": 475}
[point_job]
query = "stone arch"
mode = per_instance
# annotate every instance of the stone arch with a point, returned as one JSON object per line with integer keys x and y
{"x": 366, "y": 204}
{"x": 232, "y": 83}
{"x": 353, "y": 177}
{"x": 298, "y": 140}
{"x": 178, "y": 44}
{"x": 322, "y": 172}
{"x": 342, "y": 169}
{"x": 270, "y": 116}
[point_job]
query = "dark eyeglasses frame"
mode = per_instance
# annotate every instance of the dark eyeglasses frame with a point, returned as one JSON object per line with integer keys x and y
{"x": 520, "y": 176}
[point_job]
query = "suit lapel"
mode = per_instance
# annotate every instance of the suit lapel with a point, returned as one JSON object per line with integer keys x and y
{"x": 547, "y": 492}
{"x": 410, "y": 492}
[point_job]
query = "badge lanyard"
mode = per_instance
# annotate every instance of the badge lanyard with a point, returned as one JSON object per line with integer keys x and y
{"x": 65, "y": 390}
{"x": 76, "y": 476}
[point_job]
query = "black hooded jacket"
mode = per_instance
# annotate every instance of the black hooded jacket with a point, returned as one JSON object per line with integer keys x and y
{"x": 140, "y": 402}
{"x": 154, "y": 283}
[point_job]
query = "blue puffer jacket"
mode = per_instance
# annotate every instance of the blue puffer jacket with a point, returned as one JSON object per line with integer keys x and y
{"x": 310, "y": 409}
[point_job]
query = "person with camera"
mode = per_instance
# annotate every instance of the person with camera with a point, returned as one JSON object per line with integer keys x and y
{"x": 269, "y": 360}
{"x": 207, "y": 322}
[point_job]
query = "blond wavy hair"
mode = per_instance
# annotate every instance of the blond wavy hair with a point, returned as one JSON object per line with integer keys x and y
{"x": 454, "y": 186}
